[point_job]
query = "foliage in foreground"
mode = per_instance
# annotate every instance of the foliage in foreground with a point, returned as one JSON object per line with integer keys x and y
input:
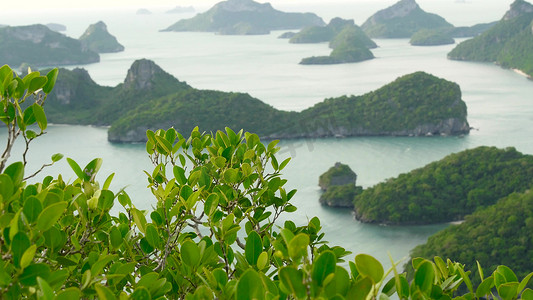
{"x": 211, "y": 233}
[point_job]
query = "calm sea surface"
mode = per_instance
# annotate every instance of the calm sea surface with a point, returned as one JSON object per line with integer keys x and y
{"x": 500, "y": 105}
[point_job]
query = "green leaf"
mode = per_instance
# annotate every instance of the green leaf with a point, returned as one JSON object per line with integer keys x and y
{"x": 190, "y": 254}
{"x": 38, "y": 112}
{"x": 100, "y": 264}
{"x": 19, "y": 244}
{"x": 527, "y": 294}
{"x": 211, "y": 204}
{"x": 28, "y": 256}
{"x": 77, "y": 170}
{"x": 16, "y": 172}
{"x": 524, "y": 282}
{"x": 231, "y": 176}
{"x": 165, "y": 147}
{"x": 50, "y": 215}
{"x": 115, "y": 237}
{"x": 6, "y": 187}
{"x": 484, "y": 288}
{"x": 69, "y": 294}
{"x": 104, "y": 293}
{"x": 152, "y": 236}
{"x": 107, "y": 182}
{"x": 262, "y": 260}
{"x": 179, "y": 174}
{"x": 36, "y": 84}
{"x": 30, "y": 274}
{"x": 507, "y": 273}
{"x": 92, "y": 168}
{"x": 139, "y": 219}
{"x": 298, "y": 246}
{"x": 292, "y": 280}
{"x": 361, "y": 289}
{"x": 323, "y": 266}
{"x": 425, "y": 277}
{"x": 106, "y": 200}
{"x": 253, "y": 247}
{"x": 57, "y": 157}
{"x": 250, "y": 286}
{"x": 47, "y": 292}
{"x": 51, "y": 80}
{"x": 508, "y": 290}
{"x": 369, "y": 266}
{"x": 141, "y": 293}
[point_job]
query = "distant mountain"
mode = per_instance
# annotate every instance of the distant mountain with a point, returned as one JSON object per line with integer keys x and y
{"x": 447, "y": 190}
{"x": 143, "y": 11}
{"x": 401, "y": 20}
{"x": 96, "y": 38}
{"x": 245, "y": 17}
{"x": 150, "y": 98}
{"x": 509, "y": 43}
{"x": 37, "y": 45}
{"x": 56, "y": 27}
{"x": 181, "y": 10}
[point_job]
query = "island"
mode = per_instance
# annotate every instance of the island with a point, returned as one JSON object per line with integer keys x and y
{"x": 501, "y": 234}
{"x": 447, "y": 190}
{"x": 56, "y": 27}
{"x": 417, "y": 104}
{"x": 348, "y": 41}
{"x": 37, "y": 45}
{"x": 181, "y": 10}
{"x": 245, "y": 17}
{"x": 143, "y": 11}
{"x": 96, "y": 38}
{"x": 428, "y": 37}
{"x": 508, "y": 43}
{"x": 339, "y": 186}
{"x": 402, "y": 20}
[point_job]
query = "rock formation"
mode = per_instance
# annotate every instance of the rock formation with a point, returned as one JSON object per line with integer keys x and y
{"x": 96, "y": 38}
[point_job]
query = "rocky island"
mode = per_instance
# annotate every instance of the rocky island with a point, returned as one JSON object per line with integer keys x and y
{"x": 96, "y": 38}
{"x": 447, "y": 190}
{"x": 508, "y": 43}
{"x": 417, "y": 104}
{"x": 245, "y": 17}
{"x": 37, "y": 45}
{"x": 402, "y": 20}
{"x": 339, "y": 186}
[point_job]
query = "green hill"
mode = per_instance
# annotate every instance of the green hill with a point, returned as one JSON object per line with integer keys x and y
{"x": 150, "y": 98}
{"x": 245, "y": 17}
{"x": 349, "y": 43}
{"x": 96, "y": 38}
{"x": 37, "y": 45}
{"x": 447, "y": 190}
{"x": 401, "y": 20}
{"x": 508, "y": 43}
{"x": 501, "y": 234}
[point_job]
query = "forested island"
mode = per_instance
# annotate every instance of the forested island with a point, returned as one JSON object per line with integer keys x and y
{"x": 417, "y": 104}
{"x": 38, "y": 45}
{"x": 96, "y": 38}
{"x": 245, "y": 17}
{"x": 348, "y": 41}
{"x": 508, "y": 43}
{"x": 500, "y": 234}
{"x": 426, "y": 37}
{"x": 447, "y": 190}
{"x": 339, "y": 186}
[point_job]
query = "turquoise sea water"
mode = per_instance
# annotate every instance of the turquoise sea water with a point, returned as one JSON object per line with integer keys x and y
{"x": 500, "y": 107}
